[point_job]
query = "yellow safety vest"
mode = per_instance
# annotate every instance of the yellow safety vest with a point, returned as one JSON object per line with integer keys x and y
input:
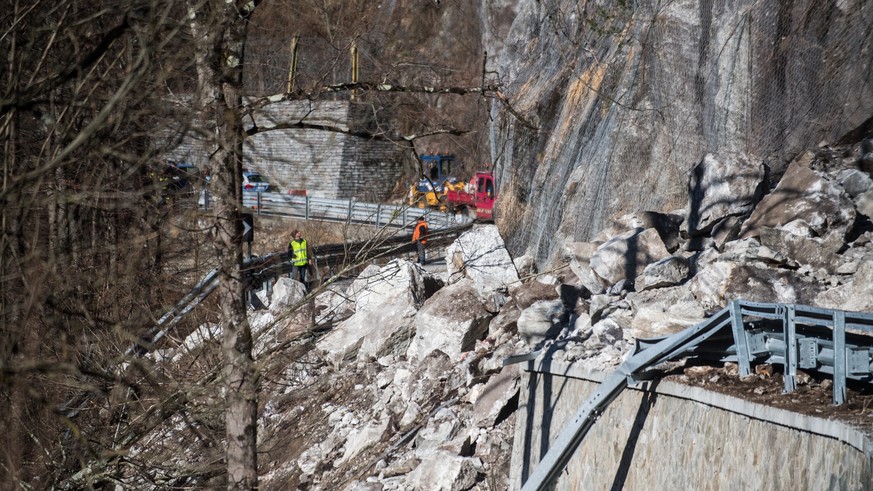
{"x": 301, "y": 257}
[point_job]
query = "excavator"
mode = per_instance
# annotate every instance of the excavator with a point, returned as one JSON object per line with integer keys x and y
{"x": 439, "y": 189}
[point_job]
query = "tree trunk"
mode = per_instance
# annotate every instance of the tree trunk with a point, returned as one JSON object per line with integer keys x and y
{"x": 240, "y": 377}
{"x": 220, "y": 42}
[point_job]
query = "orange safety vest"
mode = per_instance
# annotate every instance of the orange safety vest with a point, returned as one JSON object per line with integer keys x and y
{"x": 420, "y": 233}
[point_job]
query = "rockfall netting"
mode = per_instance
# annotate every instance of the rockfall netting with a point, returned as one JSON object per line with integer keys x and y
{"x": 621, "y": 99}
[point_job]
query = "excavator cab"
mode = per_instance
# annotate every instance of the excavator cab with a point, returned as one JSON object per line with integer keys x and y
{"x": 437, "y": 169}
{"x": 436, "y": 175}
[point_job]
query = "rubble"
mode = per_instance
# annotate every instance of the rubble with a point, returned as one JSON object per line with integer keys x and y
{"x": 407, "y": 388}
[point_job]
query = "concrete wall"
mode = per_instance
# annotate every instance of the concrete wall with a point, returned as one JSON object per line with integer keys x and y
{"x": 326, "y": 164}
{"x": 672, "y": 436}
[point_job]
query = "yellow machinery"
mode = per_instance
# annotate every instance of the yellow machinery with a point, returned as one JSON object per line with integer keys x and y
{"x": 430, "y": 190}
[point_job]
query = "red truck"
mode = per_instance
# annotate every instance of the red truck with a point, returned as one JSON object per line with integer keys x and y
{"x": 477, "y": 197}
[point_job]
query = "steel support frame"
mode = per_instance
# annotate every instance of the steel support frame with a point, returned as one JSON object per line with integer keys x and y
{"x": 561, "y": 450}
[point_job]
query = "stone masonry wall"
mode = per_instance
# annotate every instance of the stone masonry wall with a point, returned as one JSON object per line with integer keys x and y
{"x": 327, "y": 164}
{"x": 678, "y": 437}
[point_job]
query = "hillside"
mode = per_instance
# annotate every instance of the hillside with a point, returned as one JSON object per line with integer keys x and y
{"x": 654, "y": 161}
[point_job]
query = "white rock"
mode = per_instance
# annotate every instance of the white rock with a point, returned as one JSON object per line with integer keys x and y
{"x": 480, "y": 254}
{"x": 854, "y": 295}
{"x": 627, "y": 255}
{"x": 579, "y": 255}
{"x": 540, "y": 320}
{"x": 361, "y": 439}
{"x": 666, "y": 272}
{"x": 451, "y": 321}
{"x": 495, "y": 396}
{"x": 443, "y": 471}
{"x": 720, "y": 187}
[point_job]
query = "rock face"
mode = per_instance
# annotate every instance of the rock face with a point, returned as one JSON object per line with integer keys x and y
{"x": 613, "y": 120}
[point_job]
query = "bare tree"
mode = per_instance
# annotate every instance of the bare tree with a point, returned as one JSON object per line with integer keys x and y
{"x": 92, "y": 97}
{"x": 240, "y": 379}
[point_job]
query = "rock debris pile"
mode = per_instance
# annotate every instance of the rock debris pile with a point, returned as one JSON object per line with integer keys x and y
{"x": 407, "y": 388}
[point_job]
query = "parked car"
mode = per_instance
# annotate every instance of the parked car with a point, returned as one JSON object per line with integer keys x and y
{"x": 252, "y": 181}
{"x": 173, "y": 179}
{"x": 182, "y": 177}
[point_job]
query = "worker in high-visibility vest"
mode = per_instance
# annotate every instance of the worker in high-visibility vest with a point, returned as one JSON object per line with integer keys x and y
{"x": 419, "y": 236}
{"x": 300, "y": 257}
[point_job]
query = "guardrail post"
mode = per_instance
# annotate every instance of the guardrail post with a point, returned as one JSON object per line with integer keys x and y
{"x": 839, "y": 357}
{"x": 351, "y": 207}
{"x": 260, "y": 203}
{"x": 306, "y": 208}
{"x": 790, "y": 331}
{"x": 743, "y": 355}
{"x": 378, "y": 214}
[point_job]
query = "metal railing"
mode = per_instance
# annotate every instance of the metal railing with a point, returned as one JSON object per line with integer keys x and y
{"x": 339, "y": 210}
{"x": 796, "y": 336}
{"x": 261, "y": 270}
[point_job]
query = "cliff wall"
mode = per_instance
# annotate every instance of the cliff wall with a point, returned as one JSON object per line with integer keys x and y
{"x": 620, "y": 99}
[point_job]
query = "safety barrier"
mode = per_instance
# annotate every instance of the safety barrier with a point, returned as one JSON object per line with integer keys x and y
{"x": 304, "y": 207}
{"x": 796, "y": 336}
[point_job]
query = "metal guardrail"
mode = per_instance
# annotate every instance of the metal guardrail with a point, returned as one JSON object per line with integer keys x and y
{"x": 346, "y": 211}
{"x": 260, "y": 270}
{"x": 816, "y": 340}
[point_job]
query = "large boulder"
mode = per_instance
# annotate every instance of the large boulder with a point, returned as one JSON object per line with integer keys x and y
{"x": 855, "y": 295}
{"x": 399, "y": 278}
{"x": 666, "y": 224}
{"x": 533, "y": 291}
{"x": 541, "y": 320}
{"x": 495, "y": 396}
{"x": 579, "y": 255}
{"x": 450, "y": 321}
{"x": 802, "y": 196}
{"x": 386, "y": 300}
{"x": 669, "y": 271}
{"x": 285, "y": 316}
{"x": 625, "y": 256}
{"x": 664, "y": 311}
{"x": 722, "y": 281}
{"x": 286, "y": 293}
{"x": 816, "y": 252}
{"x": 480, "y": 254}
{"x": 719, "y": 188}
{"x": 445, "y": 471}
{"x": 854, "y": 181}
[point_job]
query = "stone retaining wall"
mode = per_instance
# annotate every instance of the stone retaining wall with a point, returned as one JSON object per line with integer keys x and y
{"x": 327, "y": 164}
{"x": 670, "y": 436}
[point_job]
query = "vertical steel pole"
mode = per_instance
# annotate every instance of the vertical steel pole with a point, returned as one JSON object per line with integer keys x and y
{"x": 790, "y": 332}
{"x": 742, "y": 343}
{"x": 839, "y": 357}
